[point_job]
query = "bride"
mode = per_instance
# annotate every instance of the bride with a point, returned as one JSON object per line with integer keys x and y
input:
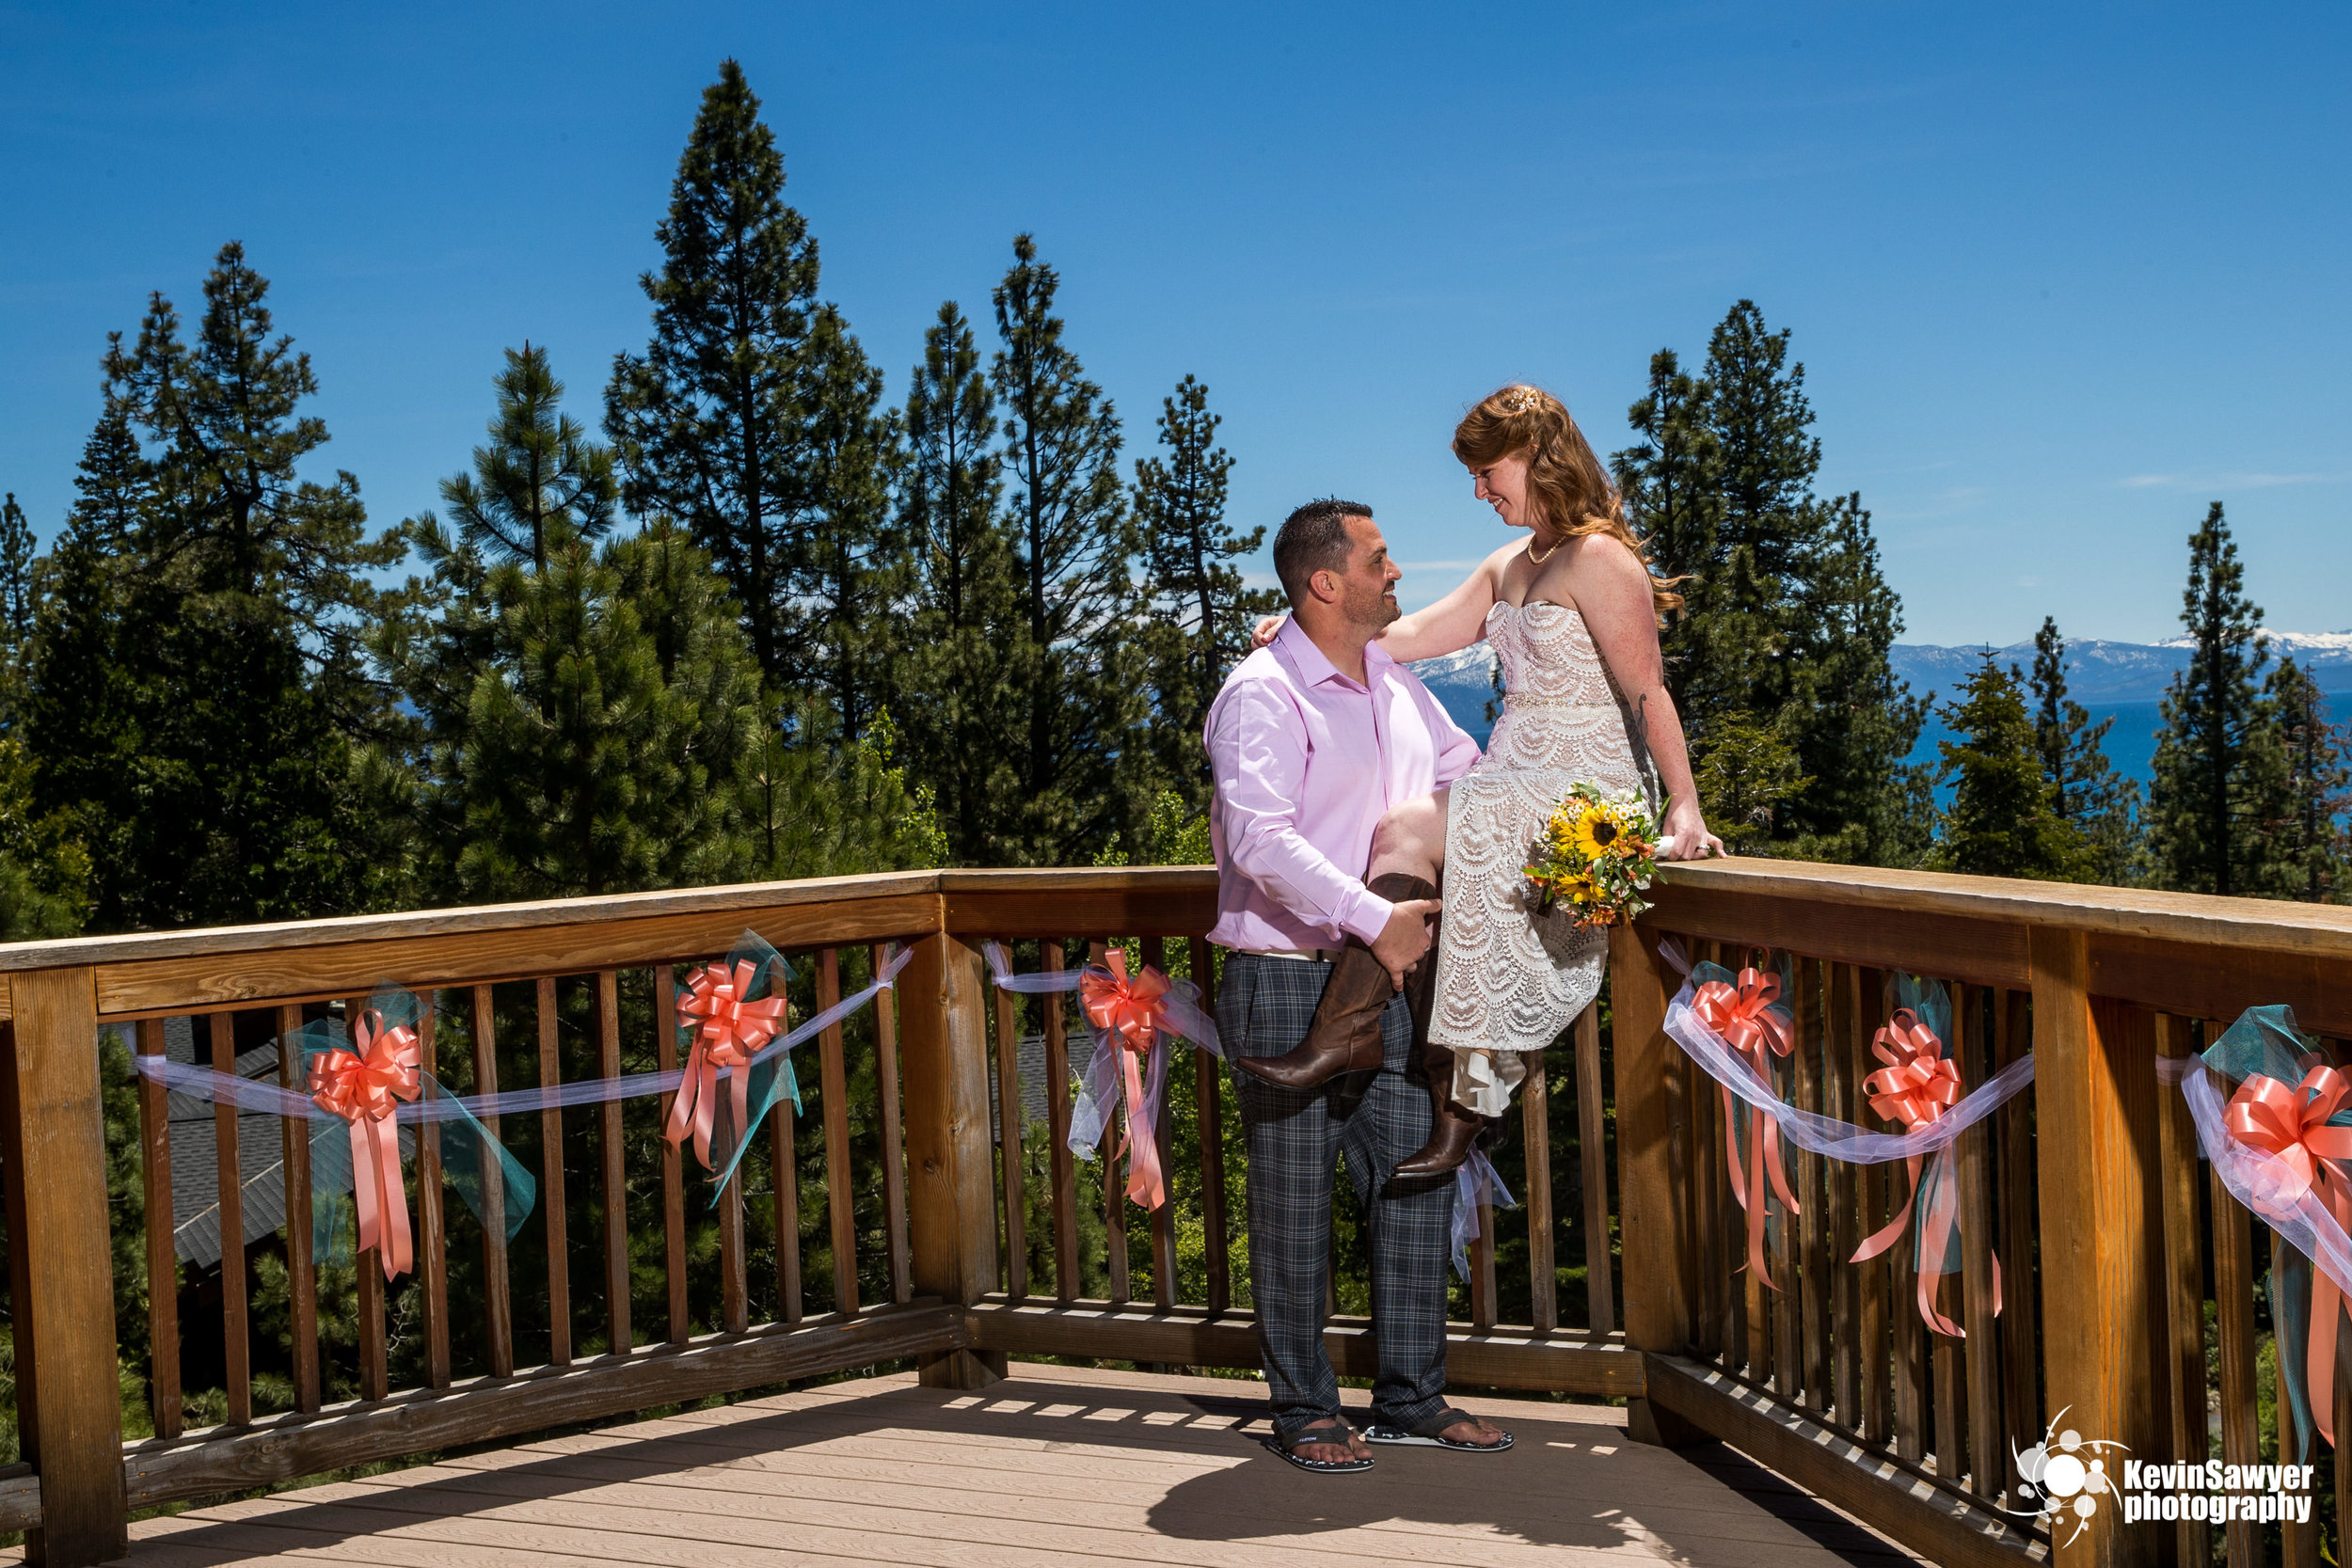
{"x": 1573, "y": 613}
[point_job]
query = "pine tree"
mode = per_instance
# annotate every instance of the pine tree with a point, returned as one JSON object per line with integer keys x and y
{"x": 1083, "y": 771}
{"x": 2003, "y": 821}
{"x": 2315, "y": 848}
{"x": 706, "y": 424}
{"x": 240, "y": 589}
{"x": 2220, "y": 785}
{"x": 853, "y": 565}
{"x": 2101, "y": 803}
{"x": 16, "y": 581}
{"x": 540, "y": 473}
{"x": 959, "y": 701}
{"x": 1669, "y": 484}
{"x": 1202, "y": 612}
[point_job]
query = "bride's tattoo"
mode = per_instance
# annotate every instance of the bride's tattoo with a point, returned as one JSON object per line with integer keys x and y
{"x": 1640, "y": 727}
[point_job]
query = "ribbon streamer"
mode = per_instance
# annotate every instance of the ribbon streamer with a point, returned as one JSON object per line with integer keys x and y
{"x": 1475, "y": 1181}
{"x": 1935, "y": 1194}
{"x": 1749, "y": 1017}
{"x": 2280, "y": 1145}
{"x": 363, "y": 1084}
{"x": 1127, "y": 1016}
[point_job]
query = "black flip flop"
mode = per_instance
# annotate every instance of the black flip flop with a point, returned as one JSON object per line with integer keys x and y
{"x": 1428, "y": 1435}
{"x": 1322, "y": 1431}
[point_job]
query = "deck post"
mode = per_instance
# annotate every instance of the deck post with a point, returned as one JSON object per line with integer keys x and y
{"x": 1653, "y": 1123}
{"x": 2102, "y": 1254}
{"x": 951, "y": 1193}
{"x": 61, "y": 1268}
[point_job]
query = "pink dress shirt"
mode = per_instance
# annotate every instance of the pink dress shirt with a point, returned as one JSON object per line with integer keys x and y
{"x": 1305, "y": 761}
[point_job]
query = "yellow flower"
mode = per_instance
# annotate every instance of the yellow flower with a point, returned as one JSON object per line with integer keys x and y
{"x": 1598, "y": 831}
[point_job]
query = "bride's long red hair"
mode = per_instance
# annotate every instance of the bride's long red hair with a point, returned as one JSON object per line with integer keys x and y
{"x": 1567, "y": 481}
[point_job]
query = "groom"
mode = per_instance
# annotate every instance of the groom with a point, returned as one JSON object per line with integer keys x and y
{"x": 1312, "y": 737}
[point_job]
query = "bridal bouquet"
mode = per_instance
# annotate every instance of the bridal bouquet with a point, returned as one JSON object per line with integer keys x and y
{"x": 1598, "y": 851}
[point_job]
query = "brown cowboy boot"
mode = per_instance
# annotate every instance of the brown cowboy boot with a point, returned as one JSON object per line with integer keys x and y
{"x": 1345, "y": 1034}
{"x": 1451, "y": 1128}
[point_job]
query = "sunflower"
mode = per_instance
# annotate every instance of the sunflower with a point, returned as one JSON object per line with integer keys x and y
{"x": 1598, "y": 831}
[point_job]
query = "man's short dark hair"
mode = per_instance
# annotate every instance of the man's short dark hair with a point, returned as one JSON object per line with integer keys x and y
{"x": 1314, "y": 539}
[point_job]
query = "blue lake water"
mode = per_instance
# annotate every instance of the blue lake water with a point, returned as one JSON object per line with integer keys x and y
{"x": 2131, "y": 745}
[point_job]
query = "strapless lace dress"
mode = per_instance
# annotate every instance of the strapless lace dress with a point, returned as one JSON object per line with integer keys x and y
{"x": 1510, "y": 980}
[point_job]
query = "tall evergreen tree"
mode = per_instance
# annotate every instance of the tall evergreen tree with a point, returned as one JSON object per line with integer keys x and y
{"x": 959, "y": 701}
{"x": 2315, "y": 845}
{"x": 16, "y": 579}
{"x": 1202, "y": 612}
{"x": 1670, "y": 486}
{"x": 1084, "y": 773}
{"x": 707, "y": 424}
{"x": 243, "y": 587}
{"x": 853, "y": 567}
{"x": 2101, "y": 803}
{"x": 2003, "y": 821}
{"x": 2220, "y": 786}
{"x": 540, "y": 473}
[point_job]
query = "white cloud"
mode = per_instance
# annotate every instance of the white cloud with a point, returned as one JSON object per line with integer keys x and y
{"x": 2223, "y": 481}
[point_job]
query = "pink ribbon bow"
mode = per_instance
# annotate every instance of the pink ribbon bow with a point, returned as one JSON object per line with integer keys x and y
{"x": 363, "y": 1086}
{"x": 2290, "y": 1126}
{"x": 1915, "y": 1087}
{"x": 1743, "y": 1016}
{"x": 727, "y": 1031}
{"x": 1130, "y": 1013}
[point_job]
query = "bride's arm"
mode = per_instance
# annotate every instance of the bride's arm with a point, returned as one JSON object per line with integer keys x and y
{"x": 1613, "y": 591}
{"x": 1453, "y": 623}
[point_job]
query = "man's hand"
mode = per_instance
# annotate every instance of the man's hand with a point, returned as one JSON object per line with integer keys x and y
{"x": 1404, "y": 938}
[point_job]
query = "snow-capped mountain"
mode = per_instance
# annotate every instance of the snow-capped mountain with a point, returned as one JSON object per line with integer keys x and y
{"x": 2102, "y": 672}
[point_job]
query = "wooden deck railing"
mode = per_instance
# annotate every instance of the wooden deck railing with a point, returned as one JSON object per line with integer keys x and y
{"x": 925, "y": 1235}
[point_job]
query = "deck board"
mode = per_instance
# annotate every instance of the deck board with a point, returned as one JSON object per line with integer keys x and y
{"x": 1055, "y": 1467}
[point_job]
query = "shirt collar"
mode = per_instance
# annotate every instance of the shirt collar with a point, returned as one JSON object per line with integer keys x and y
{"x": 1313, "y": 668}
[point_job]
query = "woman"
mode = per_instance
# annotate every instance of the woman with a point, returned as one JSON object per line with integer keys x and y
{"x": 1573, "y": 612}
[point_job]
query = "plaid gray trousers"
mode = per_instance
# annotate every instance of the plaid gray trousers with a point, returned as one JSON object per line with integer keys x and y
{"x": 1264, "y": 1007}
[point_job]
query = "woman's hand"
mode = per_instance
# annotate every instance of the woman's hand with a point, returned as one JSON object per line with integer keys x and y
{"x": 1266, "y": 631}
{"x": 1686, "y": 838}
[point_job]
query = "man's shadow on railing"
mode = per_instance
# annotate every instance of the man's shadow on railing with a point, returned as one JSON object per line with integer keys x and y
{"x": 832, "y": 1475}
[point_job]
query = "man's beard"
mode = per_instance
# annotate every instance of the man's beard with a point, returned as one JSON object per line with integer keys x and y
{"x": 1376, "y": 615}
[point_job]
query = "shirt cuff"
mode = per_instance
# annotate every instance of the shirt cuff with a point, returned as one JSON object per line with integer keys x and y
{"x": 1366, "y": 917}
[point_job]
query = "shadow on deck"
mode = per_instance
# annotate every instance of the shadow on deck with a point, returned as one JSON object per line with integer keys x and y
{"x": 1054, "y": 1466}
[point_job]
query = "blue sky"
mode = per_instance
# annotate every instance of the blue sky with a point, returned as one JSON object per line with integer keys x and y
{"x": 2060, "y": 275}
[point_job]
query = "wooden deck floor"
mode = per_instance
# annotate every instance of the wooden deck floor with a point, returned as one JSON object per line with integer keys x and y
{"x": 1055, "y": 1466}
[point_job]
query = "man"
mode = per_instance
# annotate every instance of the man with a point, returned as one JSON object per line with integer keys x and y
{"x": 1311, "y": 739}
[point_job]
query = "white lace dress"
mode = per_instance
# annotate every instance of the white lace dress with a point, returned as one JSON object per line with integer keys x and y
{"x": 1509, "y": 980}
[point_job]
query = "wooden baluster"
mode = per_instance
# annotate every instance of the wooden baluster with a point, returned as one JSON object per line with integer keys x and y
{"x": 374, "y": 1378}
{"x": 841, "y": 1184}
{"x": 1788, "y": 1264}
{"x": 498, "y": 1309}
{"x": 784, "y": 1153}
{"x": 163, "y": 1257}
{"x": 2177, "y": 1158}
{"x": 673, "y": 1156}
{"x": 432, "y": 1233}
{"x": 1163, "y": 1219}
{"x": 735, "y": 1308}
{"x": 2343, "y": 1470}
{"x": 2298, "y": 1542}
{"x": 1878, "y": 1408}
{"x": 551, "y": 1187}
{"x": 1812, "y": 1192}
{"x": 621, "y": 1339}
{"x": 1482, "y": 1262}
{"x": 1009, "y": 1154}
{"x": 60, "y": 1266}
{"x": 1988, "y": 1456}
{"x": 2020, "y": 1343}
{"x": 892, "y": 1135}
{"x": 1592, "y": 1156}
{"x": 1911, "y": 1332}
{"x": 1943, "y": 1352}
{"x": 2233, "y": 1304}
{"x": 1542, "y": 1304}
{"x": 1207, "y": 1085}
{"x": 1840, "y": 1084}
{"x": 1114, "y": 1189}
{"x": 1058, "y": 1104}
{"x": 238, "y": 1348}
